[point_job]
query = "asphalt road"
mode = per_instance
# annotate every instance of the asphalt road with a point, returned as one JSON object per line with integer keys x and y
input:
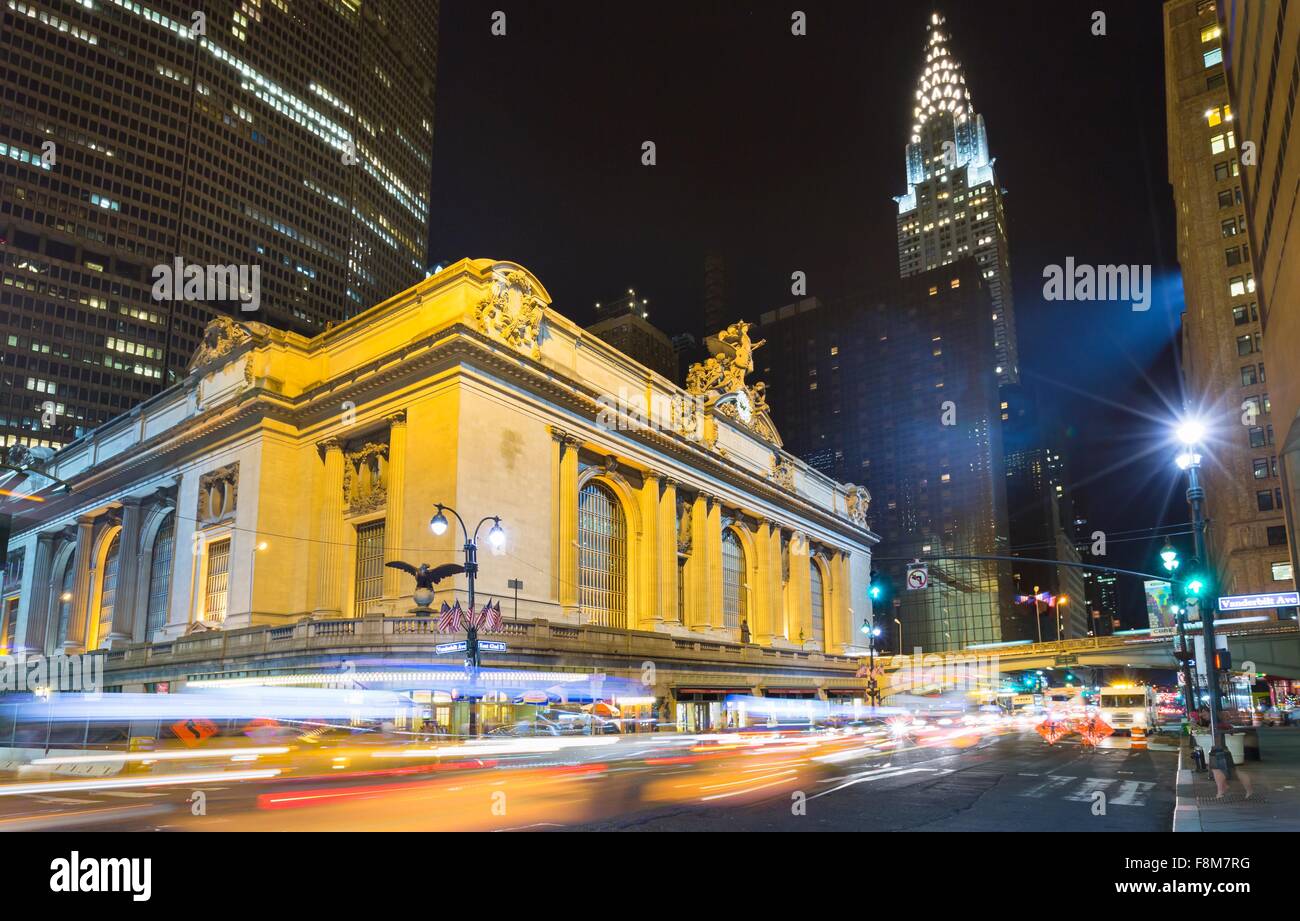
{"x": 1006, "y": 783}
{"x": 996, "y": 780}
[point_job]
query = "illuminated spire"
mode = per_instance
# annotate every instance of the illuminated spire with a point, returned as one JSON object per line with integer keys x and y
{"x": 942, "y": 85}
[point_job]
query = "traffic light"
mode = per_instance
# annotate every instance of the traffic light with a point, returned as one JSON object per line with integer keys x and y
{"x": 1197, "y": 585}
{"x": 877, "y": 590}
{"x": 1169, "y": 557}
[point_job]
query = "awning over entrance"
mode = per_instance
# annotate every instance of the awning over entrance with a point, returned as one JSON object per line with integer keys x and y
{"x": 707, "y": 694}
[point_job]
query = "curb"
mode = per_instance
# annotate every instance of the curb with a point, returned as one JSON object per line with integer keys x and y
{"x": 1187, "y": 814}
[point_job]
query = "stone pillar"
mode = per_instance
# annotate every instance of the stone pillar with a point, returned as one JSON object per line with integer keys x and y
{"x": 122, "y": 629}
{"x": 799, "y": 591}
{"x": 650, "y": 605}
{"x": 396, "y": 583}
{"x": 845, "y": 631}
{"x": 33, "y": 637}
{"x": 765, "y": 595}
{"x": 331, "y": 577}
{"x": 667, "y": 552}
{"x": 713, "y": 544}
{"x": 78, "y": 617}
{"x": 697, "y": 570}
{"x": 567, "y": 534}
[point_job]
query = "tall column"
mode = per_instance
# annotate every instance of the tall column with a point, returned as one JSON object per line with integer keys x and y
{"x": 394, "y": 580}
{"x": 667, "y": 552}
{"x": 845, "y": 634}
{"x": 33, "y": 638}
{"x": 331, "y": 577}
{"x": 650, "y": 606}
{"x": 78, "y": 618}
{"x": 121, "y": 630}
{"x": 799, "y": 590}
{"x": 765, "y": 595}
{"x": 780, "y": 615}
{"x": 713, "y": 544}
{"x": 697, "y": 570}
{"x": 567, "y": 535}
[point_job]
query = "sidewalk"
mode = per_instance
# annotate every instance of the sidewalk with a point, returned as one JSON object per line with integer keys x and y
{"x": 1275, "y": 806}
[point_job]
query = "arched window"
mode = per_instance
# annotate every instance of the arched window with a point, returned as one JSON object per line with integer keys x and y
{"x": 108, "y": 590}
{"x": 735, "y": 600}
{"x": 602, "y": 556}
{"x": 160, "y": 577}
{"x": 818, "y": 604}
{"x": 64, "y": 589}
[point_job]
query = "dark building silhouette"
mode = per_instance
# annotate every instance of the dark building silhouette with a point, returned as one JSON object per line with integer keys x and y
{"x": 293, "y": 137}
{"x": 625, "y": 324}
{"x": 895, "y": 389}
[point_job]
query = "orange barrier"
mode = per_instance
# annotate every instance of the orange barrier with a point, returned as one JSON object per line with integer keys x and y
{"x": 1139, "y": 738}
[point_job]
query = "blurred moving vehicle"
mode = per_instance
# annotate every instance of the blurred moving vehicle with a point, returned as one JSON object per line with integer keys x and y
{"x": 1125, "y": 707}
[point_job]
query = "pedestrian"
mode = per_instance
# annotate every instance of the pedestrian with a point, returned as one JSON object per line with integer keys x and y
{"x": 1221, "y": 765}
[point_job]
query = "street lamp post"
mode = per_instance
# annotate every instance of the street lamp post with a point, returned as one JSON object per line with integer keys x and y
{"x": 1192, "y": 433}
{"x": 496, "y": 536}
{"x": 1169, "y": 559}
{"x": 901, "y": 648}
{"x": 873, "y": 686}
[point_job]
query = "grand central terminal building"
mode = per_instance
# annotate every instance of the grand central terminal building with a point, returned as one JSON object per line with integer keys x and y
{"x": 657, "y": 539}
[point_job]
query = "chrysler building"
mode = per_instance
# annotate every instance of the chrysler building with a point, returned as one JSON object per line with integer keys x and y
{"x": 953, "y": 206}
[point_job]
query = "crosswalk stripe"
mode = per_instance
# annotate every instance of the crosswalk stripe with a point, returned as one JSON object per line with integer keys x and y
{"x": 1053, "y": 783}
{"x": 1090, "y": 786}
{"x": 1133, "y": 793}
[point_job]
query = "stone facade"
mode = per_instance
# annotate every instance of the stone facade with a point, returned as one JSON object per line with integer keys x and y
{"x": 1228, "y": 373}
{"x": 282, "y": 465}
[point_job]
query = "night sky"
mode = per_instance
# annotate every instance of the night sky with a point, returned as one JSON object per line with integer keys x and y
{"x": 783, "y": 153}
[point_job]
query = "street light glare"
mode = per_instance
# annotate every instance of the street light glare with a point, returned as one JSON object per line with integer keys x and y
{"x": 439, "y": 523}
{"x": 1190, "y": 431}
{"x": 497, "y": 536}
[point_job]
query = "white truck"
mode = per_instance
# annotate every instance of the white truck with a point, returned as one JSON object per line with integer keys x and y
{"x": 1128, "y": 706}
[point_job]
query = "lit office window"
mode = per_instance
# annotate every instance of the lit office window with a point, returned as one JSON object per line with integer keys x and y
{"x": 602, "y": 556}
{"x": 370, "y": 566}
{"x": 160, "y": 577}
{"x": 735, "y": 601}
{"x": 217, "y": 590}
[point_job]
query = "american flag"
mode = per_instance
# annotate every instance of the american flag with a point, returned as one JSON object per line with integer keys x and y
{"x": 493, "y": 616}
{"x": 475, "y": 618}
{"x": 449, "y": 618}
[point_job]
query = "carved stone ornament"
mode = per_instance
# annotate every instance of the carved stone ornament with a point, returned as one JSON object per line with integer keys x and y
{"x": 222, "y": 336}
{"x": 365, "y": 478}
{"x": 721, "y": 381}
{"x": 513, "y": 312}
{"x": 218, "y": 495}
{"x": 857, "y": 501}
{"x": 782, "y": 473}
{"x": 683, "y": 526}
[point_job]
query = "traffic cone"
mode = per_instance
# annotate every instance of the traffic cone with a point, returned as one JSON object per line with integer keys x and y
{"x": 1138, "y": 738}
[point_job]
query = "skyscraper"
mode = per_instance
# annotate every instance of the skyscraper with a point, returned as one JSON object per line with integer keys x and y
{"x": 893, "y": 389}
{"x": 283, "y": 146}
{"x": 953, "y": 204}
{"x": 625, "y": 324}
{"x": 1224, "y": 362}
{"x": 1261, "y": 57}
